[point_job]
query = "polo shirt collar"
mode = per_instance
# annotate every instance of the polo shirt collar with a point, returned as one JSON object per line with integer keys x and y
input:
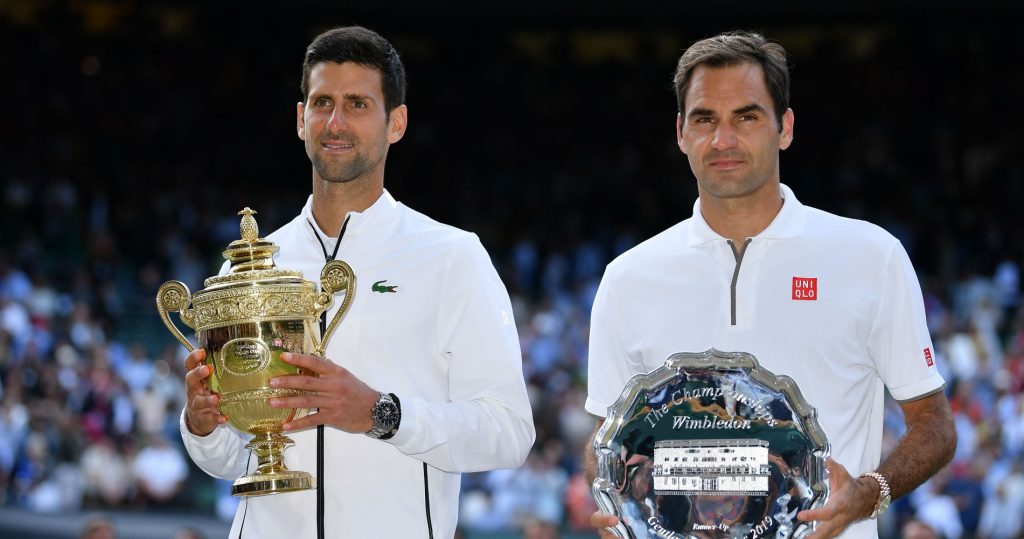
{"x": 789, "y": 223}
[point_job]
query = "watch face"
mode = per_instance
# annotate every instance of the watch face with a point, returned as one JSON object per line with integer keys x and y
{"x": 385, "y": 415}
{"x": 883, "y": 504}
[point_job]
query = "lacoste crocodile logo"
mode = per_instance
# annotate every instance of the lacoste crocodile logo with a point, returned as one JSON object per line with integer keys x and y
{"x": 378, "y": 287}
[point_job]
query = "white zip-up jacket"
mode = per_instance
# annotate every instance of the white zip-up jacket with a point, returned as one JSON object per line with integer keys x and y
{"x": 444, "y": 341}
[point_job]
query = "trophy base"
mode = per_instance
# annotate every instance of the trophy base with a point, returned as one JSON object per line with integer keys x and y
{"x": 272, "y": 483}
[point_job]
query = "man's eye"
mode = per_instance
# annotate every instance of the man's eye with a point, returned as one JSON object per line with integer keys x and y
{"x": 704, "y": 119}
{"x": 322, "y": 102}
{"x": 748, "y": 118}
{"x": 359, "y": 104}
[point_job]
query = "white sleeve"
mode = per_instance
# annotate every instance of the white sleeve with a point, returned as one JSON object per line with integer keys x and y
{"x": 609, "y": 365}
{"x": 487, "y": 422}
{"x": 221, "y": 453}
{"x": 899, "y": 342}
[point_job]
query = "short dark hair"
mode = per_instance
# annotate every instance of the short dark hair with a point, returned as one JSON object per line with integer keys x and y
{"x": 361, "y": 46}
{"x": 734, "y": 48}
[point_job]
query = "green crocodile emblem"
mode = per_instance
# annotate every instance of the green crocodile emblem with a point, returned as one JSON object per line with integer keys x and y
{"x": 378, "y": 287}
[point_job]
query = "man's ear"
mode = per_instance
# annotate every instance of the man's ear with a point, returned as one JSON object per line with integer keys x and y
{"x": 300, "y": 122}
{"x": 786, "y": 137}
{"x": 679, "y": 132}
{"x": 397, "y": 122}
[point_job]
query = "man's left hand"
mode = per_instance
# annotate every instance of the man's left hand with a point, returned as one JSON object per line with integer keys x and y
{"x": 850, "y": 499}
{"x": 344, "y": 401}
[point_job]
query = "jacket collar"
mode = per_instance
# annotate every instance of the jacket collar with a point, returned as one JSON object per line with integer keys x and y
{"x": 359, "y": 223}
{"x": 788, "y": 223}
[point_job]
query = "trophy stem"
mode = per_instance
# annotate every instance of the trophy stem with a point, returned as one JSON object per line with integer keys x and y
{"x": 269, "y": 448}
{"x": 272, "y": 476}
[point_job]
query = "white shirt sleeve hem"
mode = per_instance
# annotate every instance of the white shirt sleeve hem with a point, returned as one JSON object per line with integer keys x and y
{"x": 596, "y": 408}
{"x": 917, "y": 389}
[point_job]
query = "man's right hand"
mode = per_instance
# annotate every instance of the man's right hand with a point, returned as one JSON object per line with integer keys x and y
{"x": 601, "y": 521}
{"x": 201, "y": 413}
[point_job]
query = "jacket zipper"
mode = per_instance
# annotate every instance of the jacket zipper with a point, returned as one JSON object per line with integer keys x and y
{"x": 738, "y": 255}
{"x": 320, "y": 428}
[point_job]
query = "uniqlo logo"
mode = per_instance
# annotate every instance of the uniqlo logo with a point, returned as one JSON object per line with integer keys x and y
{"x": 928, "y": 357}
{"x": 805, "y": 288}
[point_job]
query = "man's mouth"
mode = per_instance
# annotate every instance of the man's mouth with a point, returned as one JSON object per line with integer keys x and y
{"x": 726, "y": 163}
{"x": 337, "y": 146}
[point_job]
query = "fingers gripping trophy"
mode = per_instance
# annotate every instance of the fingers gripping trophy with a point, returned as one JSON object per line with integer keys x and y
{"x": 244, "y": 320}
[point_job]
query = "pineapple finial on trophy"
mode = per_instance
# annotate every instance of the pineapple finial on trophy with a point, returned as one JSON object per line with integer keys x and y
{"x": 250, "y": 231}
{"x": 250, "y": 252}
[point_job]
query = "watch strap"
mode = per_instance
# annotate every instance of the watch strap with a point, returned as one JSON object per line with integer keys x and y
{"x": 884, "y": 494}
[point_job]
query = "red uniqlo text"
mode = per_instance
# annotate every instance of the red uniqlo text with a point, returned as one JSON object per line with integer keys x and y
{"x": 805, "y": 288}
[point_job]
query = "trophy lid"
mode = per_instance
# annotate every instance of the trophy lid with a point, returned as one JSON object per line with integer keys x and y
{"x": 251, "y": 257}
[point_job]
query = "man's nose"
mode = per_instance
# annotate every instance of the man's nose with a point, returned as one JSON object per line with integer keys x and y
{"x": 725, "y": 136}
{"x": 336, "y": 121}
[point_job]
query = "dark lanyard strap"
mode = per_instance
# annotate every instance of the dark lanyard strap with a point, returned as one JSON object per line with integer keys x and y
{"x": 333, "y": 255}
{"x": 320, "y": 428}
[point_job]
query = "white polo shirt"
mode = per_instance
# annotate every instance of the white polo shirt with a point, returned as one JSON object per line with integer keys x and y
{"x": 832, "y": 302}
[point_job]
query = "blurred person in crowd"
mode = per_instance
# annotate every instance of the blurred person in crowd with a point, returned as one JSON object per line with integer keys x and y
{"x": 13, "y": 429}
{"x": 137, "y": 371}
{"x": 540, "y": 529}
{"x": 1002, "y": 512}
{"x": 833, "y": 303}
{"x": 938, "y": 509}
{"x": 966, "y": 489}
{"x": 424, "y": 377}
{"x": 107, "y": 474}
{"x": 579, "y": 503}
{"x": 188, "y": 533}
{"x": 97, "y": 527}
{"x": 32, "y": 466}
{"x": 159, "y": 470}
{"x": 150, "y": 410}
{"x": 915, "y": 529}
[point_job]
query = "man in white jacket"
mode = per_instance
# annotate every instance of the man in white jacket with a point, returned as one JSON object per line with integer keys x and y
{"x": 422, "y": 379}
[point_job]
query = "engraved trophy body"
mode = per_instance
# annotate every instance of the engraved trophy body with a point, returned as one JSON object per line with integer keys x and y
{"x": 710, "y": 445}
{"x": 244, "y": 320}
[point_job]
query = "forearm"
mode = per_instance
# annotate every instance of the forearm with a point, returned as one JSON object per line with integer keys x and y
{"x": 927, "y": 446}
{"x": 590, "y": 458}
{"x": 465, "y": 436}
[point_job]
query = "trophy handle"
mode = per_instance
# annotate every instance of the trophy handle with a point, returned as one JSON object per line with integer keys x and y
{"x": 175, "y": 296}
{"x": 335, "y": 277}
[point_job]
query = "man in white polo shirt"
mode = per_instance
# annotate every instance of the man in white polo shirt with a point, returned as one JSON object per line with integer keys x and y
{"x": 832, "y": 302}
{"x": 422, "y": 379}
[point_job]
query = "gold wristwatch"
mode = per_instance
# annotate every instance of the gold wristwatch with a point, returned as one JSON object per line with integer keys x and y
{"x": 884, "y": 495}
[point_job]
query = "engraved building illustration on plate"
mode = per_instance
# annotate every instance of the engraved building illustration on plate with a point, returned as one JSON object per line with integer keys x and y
{"x": 711, "y": 467}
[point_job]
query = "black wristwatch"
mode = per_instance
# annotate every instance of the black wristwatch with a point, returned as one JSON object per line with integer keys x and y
{"x": 387, "y": 415}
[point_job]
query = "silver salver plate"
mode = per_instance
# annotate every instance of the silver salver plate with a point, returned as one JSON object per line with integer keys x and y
{"x": 710, "y": 445}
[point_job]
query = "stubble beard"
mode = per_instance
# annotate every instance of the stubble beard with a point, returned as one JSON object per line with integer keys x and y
{"x": 731, "y": 187}
{"x": 345, "y": 169}
{"x": 340, "y": 172}
{"x": 733, "y": 184}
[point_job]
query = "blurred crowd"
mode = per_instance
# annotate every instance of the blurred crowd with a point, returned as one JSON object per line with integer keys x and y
{"x": 139, "y": 133}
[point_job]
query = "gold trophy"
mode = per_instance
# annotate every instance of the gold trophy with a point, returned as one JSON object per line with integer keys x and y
{"x": 245, "y": 319}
